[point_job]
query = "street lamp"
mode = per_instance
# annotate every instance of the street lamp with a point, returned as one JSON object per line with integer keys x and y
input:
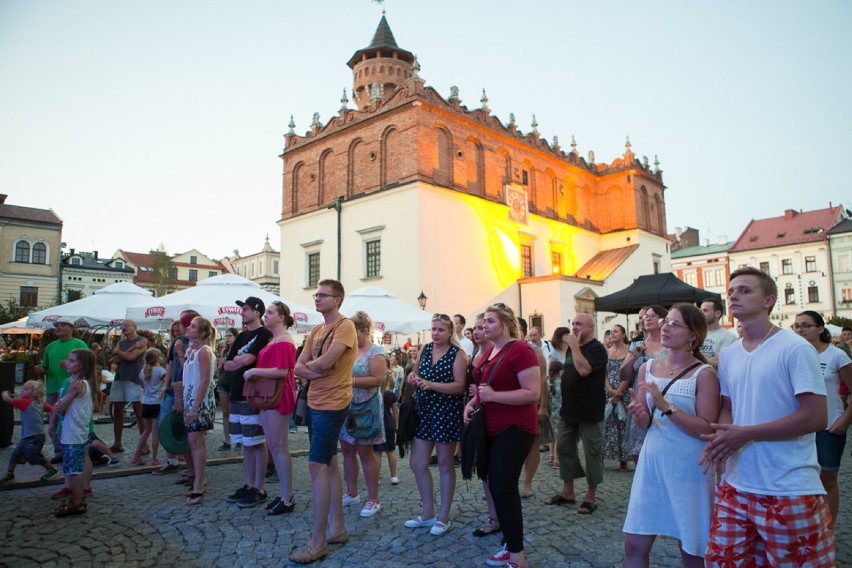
{"x": 421, "y": 299}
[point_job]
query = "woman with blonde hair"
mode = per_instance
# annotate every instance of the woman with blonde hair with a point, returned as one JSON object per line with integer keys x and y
{"x": 439, "y": 375}
{"x": 199, "y": 404}
{"x": 368, "y": 376}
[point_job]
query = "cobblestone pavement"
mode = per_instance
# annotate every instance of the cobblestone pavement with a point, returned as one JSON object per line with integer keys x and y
{"x": 136, "y": 519}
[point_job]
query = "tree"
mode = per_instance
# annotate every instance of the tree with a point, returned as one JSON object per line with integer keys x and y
{"x": 73, "y": 295}
{"x": 13, "y": 311}
{"x": 162, "y": 271}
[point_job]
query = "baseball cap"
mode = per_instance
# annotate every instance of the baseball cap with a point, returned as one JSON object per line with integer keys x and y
{"x": 65, "y": 320}
{"x": 253, "y": 302}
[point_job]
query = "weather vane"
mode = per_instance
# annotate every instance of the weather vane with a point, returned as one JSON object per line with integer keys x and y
{"x": 382, "y": 4}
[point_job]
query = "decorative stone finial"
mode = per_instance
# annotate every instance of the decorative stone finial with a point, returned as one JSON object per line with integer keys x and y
{"x": 292, "y": 127}
{"x": 375, "y": 92}
{"x": 454, "y": 93}
{"x": 591, "y": 156}
{"x": 415, "y": 69}
{"x": 573, "y": 145}
{"x": 344, "y": 101}
{"x": 627, "y": 144}
{"x": 316, "y": 121}
{"x": 555, "y": 141}
{"x": 645, "y": 162}
{"x": 534, "y": 125}
{"x": 484, "y": 101}
{"x": 656, "y": 164}
{"x": 511, "y": 119}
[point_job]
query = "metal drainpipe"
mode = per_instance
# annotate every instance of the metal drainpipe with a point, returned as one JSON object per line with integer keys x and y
{"x": 336, "y": 204}
{"x": 520, "y": 301}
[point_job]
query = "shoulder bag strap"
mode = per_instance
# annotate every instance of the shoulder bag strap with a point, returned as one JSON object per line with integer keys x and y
{"x": 680, "y": 376}
{"x": 322, "y": 344}
{"x": 494, "y": 368}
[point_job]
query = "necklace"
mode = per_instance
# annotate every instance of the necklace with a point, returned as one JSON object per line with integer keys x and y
{"x": 671, "y": 369}
{"x": 765, "y": 337}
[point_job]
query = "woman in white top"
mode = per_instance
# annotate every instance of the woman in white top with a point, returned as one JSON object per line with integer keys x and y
{"x": 199, "y": 404}
{"x": 676, "y": 399}
{"x": 836, "y": 366}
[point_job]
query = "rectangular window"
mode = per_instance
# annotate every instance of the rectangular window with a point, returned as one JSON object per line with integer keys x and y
{"x": 846, "y": 295}
{"x": 810, "y": 264}
{"x": 844, "y": 262}
{"x": 172, "y": 273}
{"x": 764, "y": 267}
{"x": 275, "y": 268}
{"x": 656, "y": 261}
{"x": 690, "y": 278}
{"x": 313, "y": 269}
{"x": 527, "y": 260}
{"x": 789, "y": 296}
{"x": 525, "y": 177}
{"x": 556, "y": 262}
{"x": 813, "y": 294}
{"x": 29, "y": 296}
{"x": 211, "y": 273}
{"x": 714, "y": 277}
{"x": 786, "y": 266}
{"x": 374, "y": 258}
{"x": 193, "y": 260}
{"x": 193, "y": 275}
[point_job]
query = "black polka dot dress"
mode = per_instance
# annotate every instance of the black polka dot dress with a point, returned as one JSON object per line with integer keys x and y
{"x": 440, "y": 414}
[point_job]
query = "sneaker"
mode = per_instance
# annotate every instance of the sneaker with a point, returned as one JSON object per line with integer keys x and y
{"x": 104, "y": 460}
{"x": 168, "y": 468}
{"x": 281, "y": 507}
{"x": 49, "y": 473}
{"x": 294, "y": 430}
{"x": 253, "y": 498}
{"x": 10, "y": 476}
{"x": 351, "y": 499}
{"x": 64, "y": 492}
{"x": 238, "y": 495}
{"x": 370, "y": 508}
{"x": 420, "y": 522}
{"x": 225, "y": 447}
{"x": 439, "y": 528}
{"x": 499, "y": 558}
{"x": 114, "y": 461}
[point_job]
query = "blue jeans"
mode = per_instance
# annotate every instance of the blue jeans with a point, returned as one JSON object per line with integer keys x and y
{"x": 323, "y": 430}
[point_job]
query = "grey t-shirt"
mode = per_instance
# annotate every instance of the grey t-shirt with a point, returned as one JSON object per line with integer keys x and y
{"x": 716, "y": 340}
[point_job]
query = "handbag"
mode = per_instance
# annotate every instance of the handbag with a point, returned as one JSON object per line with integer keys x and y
{"x": 474, "y": 444}
{"x": 409, "y": 420}
{"x": 300, "y": 414}
{"x": 263, "y": 393}
{"x": 365, "y": 418}
{"x": 545, "y": 430}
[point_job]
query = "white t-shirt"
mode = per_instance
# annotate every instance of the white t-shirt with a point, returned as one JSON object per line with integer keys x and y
{"x": 716, "y": 340}
{"x": 831, "y": 361}
{"x": 762, "y": 386}
{"x": 546, "y": 349}
{"x": 467, "y": 346}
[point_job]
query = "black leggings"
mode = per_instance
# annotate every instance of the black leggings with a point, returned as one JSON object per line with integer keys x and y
{"x": 507, "y": 452}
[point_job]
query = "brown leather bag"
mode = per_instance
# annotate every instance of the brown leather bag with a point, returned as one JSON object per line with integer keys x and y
{"x": 263, "y": 393}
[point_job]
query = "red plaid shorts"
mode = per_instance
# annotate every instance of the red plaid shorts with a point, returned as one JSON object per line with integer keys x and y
{"x": 764, "y": 530}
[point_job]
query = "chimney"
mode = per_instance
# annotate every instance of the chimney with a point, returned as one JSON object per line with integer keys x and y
{"x": 789, "y": 213}
{"x": 705, "y": 242}
{"x": 95, "y": 253}
{"x": 71, "y": 252}
{"x": 3, "y": 197}
{"x": 723, "y": 239}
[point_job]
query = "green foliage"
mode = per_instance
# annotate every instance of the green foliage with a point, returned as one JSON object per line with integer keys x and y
{"x": 841, "y": 321}
{"x": 12, "y": 311}
{"x": 162, "y": 272}
{"x": 73, "y": 295}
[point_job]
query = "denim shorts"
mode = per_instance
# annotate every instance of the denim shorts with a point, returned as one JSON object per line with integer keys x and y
{"x": 323, "y": 431}
{"x": 830, "y": 449}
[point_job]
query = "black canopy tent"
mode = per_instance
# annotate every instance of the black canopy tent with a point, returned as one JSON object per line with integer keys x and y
{"x": 660, "y": 289}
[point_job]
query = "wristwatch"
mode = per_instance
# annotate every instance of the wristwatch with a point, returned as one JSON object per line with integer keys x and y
{"x": 672, "y": 409}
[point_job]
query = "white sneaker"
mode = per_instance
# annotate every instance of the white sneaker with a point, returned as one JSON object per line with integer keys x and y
{"x": 420, "y": 522}
{"x": 394, "y": 481}
{"x": 351, "y": 500}
{"x": 500, "y": 558}
{"x": 370, "y": 508}
{"x": 439, "y": 528}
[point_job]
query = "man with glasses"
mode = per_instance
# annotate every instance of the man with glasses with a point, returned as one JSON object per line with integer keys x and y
{"x": 245, "y": 427}
{"x": 326, "y": 363}
{"x": 717, "y": 336}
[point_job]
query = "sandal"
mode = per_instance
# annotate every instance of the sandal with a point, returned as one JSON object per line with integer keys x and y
{"x": 559, "y": 500}
{"x": 308, "y": 554}
{"x": 491, "y": 527}
{"x": 67, "y": 509}
{"x": 587, "y": 508}
{"x": 194, "y": 499}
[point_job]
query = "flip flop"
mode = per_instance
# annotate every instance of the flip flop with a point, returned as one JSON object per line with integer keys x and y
{"x": 559, "y": 500}
{"x": 587, "y": 508}
{"x": 488, "y": 528}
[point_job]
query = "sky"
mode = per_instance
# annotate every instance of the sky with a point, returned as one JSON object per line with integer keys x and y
{"x": 161, "y": 122}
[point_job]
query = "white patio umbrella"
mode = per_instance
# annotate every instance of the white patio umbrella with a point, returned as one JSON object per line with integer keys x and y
{"x": 389, "y": 314}
{"x": 107, "y": 306}
{"x": 214, "y": 298}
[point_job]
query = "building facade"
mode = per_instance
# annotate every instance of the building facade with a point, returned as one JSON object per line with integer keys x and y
{"x": 414, "y": 192}
{"x": 185, "y": 269}
{"x": 84, "y": 273}
{"x": 705, "y": 266}
{"x": 794, "y": 250}
{"x": 261, "y": 267}
{"x": 840, "y": 244}
{"x": 30, "y": 243}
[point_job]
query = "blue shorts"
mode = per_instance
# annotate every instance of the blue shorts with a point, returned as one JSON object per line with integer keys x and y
{"x": 323, "y": 431}
{"x": 74, "y": 458}
{"x": 830, "y": 449}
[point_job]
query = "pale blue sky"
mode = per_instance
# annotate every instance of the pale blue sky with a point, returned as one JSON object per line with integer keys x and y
{"x": 155, "y": 121}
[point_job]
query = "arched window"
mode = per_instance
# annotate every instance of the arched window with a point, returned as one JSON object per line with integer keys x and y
{"x": 22, "y": 251}
{"x": 39, "y": 253}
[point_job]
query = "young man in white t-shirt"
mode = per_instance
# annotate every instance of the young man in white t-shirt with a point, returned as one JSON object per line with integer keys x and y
{"x": 770, "y": 507}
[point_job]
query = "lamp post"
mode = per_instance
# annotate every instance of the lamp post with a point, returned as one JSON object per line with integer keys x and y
{"x": 421, "y": 299}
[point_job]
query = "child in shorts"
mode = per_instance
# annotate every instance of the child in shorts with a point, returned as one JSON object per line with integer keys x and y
{"x": 76, "y": 406}
{"x": 152, "y": 376}
{"x": 32, "y": 406}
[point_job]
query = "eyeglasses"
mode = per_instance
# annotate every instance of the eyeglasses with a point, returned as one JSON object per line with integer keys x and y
{"x": 651, "y": 316}
{"x": 499, "y": 305}
{"x": 805, "y": 326}
{"x": 323, "y": 296}
{"x": 443, "y": 317}
{"x": 673, "y": 324}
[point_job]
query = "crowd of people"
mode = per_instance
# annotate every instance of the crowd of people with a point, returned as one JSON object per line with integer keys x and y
{"x": 737, "y": 443}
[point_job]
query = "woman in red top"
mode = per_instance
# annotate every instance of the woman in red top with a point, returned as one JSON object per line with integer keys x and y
{"x": 508, "y": 385}
{"x": 277, "y": 360}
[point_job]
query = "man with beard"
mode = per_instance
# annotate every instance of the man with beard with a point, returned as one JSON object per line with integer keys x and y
{"x": 717, "y": 336}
